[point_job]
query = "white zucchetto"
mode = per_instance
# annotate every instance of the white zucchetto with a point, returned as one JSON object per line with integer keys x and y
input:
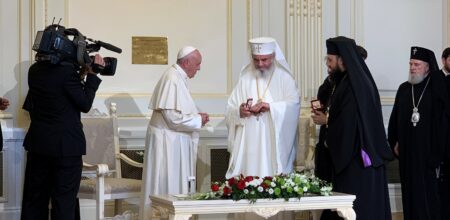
{"x": 185, "y": 51}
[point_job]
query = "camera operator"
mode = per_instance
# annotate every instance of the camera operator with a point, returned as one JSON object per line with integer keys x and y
{"x": 55, "y": 140}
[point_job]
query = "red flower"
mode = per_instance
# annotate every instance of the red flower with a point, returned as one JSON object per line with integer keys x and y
{"x": 226, "y": 190}
{"x": 241, "y": 185}
{"x": 268, "y": 178}
{"x": 215, "y": 187}
{"x": 231, "y": 181}
{"x": 248, "y": 178}
{"x": 264, "y": 185}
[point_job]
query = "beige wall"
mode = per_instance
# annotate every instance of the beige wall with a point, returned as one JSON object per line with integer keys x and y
{"x": 220, "y": 29}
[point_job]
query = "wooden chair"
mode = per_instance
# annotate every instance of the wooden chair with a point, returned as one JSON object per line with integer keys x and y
{"x": 102, "y": 179}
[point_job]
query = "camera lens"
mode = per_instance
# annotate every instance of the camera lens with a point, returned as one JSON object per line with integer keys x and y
{"x": 110, "y": 66}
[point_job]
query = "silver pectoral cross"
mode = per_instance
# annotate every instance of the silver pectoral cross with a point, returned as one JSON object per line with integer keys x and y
{"x": 415, "y": 117}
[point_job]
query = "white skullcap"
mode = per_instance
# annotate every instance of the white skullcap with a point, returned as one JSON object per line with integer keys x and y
{"x": 185, "y": 51}
{"x": 262, "y": 45}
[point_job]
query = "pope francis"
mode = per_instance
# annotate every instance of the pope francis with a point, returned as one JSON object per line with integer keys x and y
{"x": 172, "y": 133}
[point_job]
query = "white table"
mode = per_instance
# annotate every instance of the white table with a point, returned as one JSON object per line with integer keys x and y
{"x": 179, "y": 208}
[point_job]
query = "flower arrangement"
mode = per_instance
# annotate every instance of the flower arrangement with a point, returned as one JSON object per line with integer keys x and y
{"x": 286, "y": 186}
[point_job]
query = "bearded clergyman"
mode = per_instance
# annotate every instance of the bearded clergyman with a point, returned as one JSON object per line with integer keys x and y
{"x": 417, "y": 134}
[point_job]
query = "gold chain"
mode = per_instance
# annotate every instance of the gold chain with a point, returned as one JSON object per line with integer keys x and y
{"x": 260, "y": 98}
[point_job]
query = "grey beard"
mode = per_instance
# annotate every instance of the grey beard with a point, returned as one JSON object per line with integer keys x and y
{"x": 416, "y": 79}
{"x": 267, "y": 72}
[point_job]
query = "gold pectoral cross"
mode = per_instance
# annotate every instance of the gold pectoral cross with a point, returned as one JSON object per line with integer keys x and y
{"x": 260, "y": 100}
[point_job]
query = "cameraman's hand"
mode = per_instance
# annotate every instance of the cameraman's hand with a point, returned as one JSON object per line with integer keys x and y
{"x": 98, "y": 60}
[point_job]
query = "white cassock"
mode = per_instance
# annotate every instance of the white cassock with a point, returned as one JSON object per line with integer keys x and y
{"x": 263, "y": 145}
{"x": 172, "y": 139}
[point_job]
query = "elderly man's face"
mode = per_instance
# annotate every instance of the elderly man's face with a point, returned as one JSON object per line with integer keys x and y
{"x": 418, "y": 70}
{"x": 263, "y": 62}
{"x": 192, "y": 64}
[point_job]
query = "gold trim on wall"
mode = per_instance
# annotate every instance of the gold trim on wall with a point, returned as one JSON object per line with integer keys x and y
{"x": 387, "y": 100}
{"x": 352, "y": 19}
{"x": 448, "y": 24}
{"x": 66, "y": 12}
{"x": 45, "y": 13}
{"x": 229, "y": 47}
{"x": 124, "y": 94}
{"x": 249, "y": 21}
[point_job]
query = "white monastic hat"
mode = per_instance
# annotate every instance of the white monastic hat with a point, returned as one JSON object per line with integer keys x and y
{"x": 185, "y": 51}
{"x": 262, "y": 45}
{"x": 268, "y": 45}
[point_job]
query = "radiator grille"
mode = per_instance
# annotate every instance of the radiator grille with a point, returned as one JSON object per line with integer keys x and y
{"x": 219, "y": 164}
{"x": 393, "y": 172}
{"x": 129, "y": 171}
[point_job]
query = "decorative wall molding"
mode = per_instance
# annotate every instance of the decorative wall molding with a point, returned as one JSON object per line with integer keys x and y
{"x": 358, "y": 21}
{"x": 387, "y": 100}
{"x": 305, "y": 41}
{"x": 446, "y": 25}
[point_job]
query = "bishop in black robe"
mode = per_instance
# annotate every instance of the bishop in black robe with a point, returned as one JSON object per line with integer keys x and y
{"x": 420, "y": 143}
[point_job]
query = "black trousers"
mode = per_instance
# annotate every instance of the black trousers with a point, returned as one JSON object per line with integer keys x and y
{"x": 51, "y": 178}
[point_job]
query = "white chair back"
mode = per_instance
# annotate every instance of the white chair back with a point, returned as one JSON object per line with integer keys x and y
{"x": 100, "y": 146}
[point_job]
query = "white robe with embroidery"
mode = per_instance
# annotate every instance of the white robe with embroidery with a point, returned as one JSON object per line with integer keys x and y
{"x": 263, "y": 145}
{"x": 172, "y": 139}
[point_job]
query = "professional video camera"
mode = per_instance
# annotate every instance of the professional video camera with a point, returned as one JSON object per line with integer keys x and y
{"x": 53, "y": 44}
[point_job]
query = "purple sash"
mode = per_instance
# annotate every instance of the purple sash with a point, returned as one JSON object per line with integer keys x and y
{"x": 366, "y": 159}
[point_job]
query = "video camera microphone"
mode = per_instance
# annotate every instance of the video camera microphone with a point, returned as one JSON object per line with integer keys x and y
{"x": 108, "y": 46}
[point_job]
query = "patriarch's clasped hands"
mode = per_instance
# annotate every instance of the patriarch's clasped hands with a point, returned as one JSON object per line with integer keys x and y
{"x": 246, "y": 110}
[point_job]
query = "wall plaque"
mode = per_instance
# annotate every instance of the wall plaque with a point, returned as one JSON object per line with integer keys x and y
{"x": 149, "y": 50}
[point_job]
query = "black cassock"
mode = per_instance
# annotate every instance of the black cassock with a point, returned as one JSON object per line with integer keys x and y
{"x": 421, "y": 147}
{"x": 322, "y": 158}
{"x": 369, "y": 184}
